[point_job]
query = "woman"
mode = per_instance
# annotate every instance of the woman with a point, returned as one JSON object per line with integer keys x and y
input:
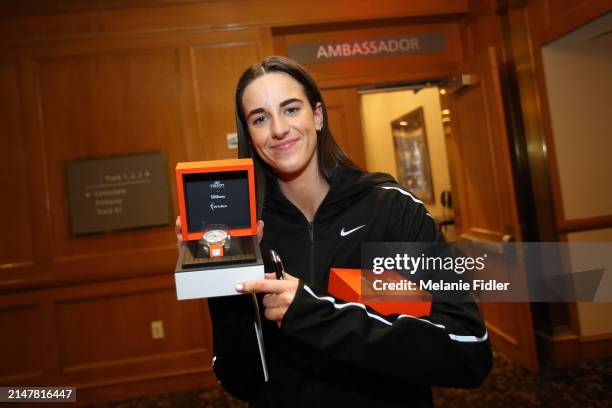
{"x": 317, "y": 208}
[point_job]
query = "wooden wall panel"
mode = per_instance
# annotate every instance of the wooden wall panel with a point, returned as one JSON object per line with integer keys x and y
{"x": 105, "y": 331}
{"x": 97, "y": 295}
{"x": 21, "y": 348}
{"x": 74, "y": 17}
{"x": 96, "y": 335}
{"x": 344, "y": 116}
{"x": 16, "y": 246}
{"x": 482, "y": 28}
{"x": 86, "y": 98}
{"x": 113, "y": 327}
{"x": 550, "y": 19}
{"x": 106, "y": 104}
{"x": 215, "y": 84}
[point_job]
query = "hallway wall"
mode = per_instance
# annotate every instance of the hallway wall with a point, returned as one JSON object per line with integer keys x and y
{"x": 379, "y": 109}
{"x": 578, "y": 77}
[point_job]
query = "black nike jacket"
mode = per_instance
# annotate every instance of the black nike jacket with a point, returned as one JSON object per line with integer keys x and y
{"x": 329, "y": 353}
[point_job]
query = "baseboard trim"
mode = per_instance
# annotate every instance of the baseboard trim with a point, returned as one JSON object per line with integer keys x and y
{"x": 597, "y": 346}
{"x": 101, "y": 394}
{"x": 566, "y": 349}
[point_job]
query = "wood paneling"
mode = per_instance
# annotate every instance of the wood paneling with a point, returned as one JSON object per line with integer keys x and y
{"x": 185, "y": 380}
{"x": 21, "y": 351}
{"x": 78, "y": 20}
{"x": 214, "y": 89}
{"x": 344, "y": 116}
{"x": 78, "y": 310}
{"x": 482, "y": 27}
{"x": 104, "y": 97}
{"x": 115, "y": 328}
{"x": 16, "y": 247}
{"x": 550, "y": 19}
{"x": 568, "y": 349}
{"x": 96, "y": 335}
{"x": 584, "y": 224}
{"x": 387, "y": 70}
{"x": 107, "y": 104}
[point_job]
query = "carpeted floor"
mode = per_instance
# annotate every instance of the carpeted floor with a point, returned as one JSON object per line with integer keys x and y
{"x": 508, "y": 385}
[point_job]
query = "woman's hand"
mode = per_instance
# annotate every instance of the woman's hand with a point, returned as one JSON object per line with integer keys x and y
{"x": 179, "y": 236}
{"x": 177, "y": 229}
{"x": 279, "y": 294}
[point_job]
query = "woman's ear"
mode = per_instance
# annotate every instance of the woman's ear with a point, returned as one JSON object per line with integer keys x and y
{"x": 318, "y": 116}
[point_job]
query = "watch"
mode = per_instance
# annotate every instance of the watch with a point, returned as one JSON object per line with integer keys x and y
{"x": 215, "y": 238}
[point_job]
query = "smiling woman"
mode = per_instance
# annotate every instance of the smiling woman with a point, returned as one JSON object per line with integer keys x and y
{"x": 282, "y": 125}
{"x": 318, "y": 208}
{"x": 280, "y": 114}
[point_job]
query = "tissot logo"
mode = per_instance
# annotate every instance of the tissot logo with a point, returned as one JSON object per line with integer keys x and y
{"x": 217, "y": 184}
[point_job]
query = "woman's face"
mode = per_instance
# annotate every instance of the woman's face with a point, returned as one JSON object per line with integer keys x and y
{"x": 281, "y": 123}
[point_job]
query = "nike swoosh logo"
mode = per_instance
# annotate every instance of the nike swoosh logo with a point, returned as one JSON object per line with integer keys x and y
{"x": 344, "y": 233}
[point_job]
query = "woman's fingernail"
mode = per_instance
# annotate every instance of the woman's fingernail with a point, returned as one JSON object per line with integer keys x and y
{"x": 239, "y": 287}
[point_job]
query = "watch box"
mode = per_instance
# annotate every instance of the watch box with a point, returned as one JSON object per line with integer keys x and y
{"x": 347, "y": 284}
{"x": 213, "y": 194}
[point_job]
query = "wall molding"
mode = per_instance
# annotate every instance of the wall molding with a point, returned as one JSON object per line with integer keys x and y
{"x": 584, "y": 224}
{"x": 565, "y": 348}
{"x": 73, "y": 22}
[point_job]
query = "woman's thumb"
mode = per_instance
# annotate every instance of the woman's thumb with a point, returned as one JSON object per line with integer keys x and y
{"x": 260, "y": 228}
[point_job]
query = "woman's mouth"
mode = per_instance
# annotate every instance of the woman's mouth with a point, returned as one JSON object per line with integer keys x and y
{"x": 284, "y": 145}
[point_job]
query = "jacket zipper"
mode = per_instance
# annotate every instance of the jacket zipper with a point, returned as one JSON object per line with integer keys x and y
{"x": 311, "y": 232}
{"x": 316, "y": 386}
{"x": 312, "y": 250}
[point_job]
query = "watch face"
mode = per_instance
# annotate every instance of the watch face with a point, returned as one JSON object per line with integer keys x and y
{"x": 214, "y": 236}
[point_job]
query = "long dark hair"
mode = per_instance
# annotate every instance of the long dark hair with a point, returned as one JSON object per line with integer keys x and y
{"x": 329, "y": 154}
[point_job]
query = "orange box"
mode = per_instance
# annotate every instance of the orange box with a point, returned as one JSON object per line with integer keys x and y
{"x": 219, "y": 192}
{"x": 345, "y": 284}
{"x": 196, "y": 169}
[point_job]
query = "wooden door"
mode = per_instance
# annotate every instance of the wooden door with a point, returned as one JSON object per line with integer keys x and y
{"x": 483, "y": 181}
{"x": 344, "y": 116}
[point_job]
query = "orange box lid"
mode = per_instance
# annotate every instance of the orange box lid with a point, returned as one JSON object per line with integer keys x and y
{"x": 345, "y": 284}
{"x": 215, "y": 192}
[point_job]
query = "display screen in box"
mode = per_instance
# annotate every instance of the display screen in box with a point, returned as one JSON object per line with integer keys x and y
{"x": 217, "y": 198}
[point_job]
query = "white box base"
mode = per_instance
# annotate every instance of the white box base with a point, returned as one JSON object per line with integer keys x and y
{"x": 214, "y": 282}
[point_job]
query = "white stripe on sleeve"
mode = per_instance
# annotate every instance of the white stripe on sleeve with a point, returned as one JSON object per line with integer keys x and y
{"x": 455, "y": 337}
{"x": 406, "y": 193}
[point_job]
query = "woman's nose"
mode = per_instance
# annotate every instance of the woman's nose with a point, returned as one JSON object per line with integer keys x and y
{"x": 280, "y": 127}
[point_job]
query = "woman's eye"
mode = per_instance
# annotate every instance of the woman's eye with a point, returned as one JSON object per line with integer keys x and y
{"x": 292, "y": 109}
{"x": 258, "y": 120}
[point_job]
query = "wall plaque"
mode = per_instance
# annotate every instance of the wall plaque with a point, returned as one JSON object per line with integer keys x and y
{"x": 117, "y": 193}
{"x": 375, "y": 47}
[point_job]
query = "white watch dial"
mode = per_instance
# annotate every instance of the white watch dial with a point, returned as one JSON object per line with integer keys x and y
{"x": 214, "y": 236}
